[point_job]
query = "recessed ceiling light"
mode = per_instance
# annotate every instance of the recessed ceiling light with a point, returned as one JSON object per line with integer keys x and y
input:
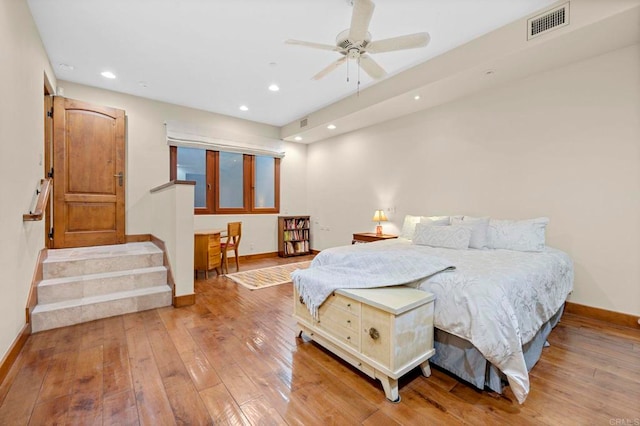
{"x": 108, "y": 74}
{"x": 298, "y": 138}
{"x": 489, "y": 72}
{"x": 331, "y": 126}
{"x": 66, "y": 67}
{"x": 244, "y": 108}
{"x": 274, "y": 88}
{"x": 416, "y": 97}
{"x": 143, "y": 84}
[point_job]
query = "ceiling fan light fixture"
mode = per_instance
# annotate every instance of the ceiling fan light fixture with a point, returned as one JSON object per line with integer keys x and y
{"x": 356, "y": 43}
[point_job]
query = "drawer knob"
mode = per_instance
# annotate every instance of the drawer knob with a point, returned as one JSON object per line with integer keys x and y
{"x": 348, "y": 305}
{"x": 348, "y": 321}
{"x": 301, "y": 301}
{"x": 348, "y": 337}
{"x": 374, "y": 334}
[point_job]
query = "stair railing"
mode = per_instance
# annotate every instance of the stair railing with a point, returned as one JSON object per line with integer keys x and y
{"x": 42, "y": 197}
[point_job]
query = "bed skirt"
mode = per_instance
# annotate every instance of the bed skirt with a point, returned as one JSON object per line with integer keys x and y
{"x": 461, "y": 358}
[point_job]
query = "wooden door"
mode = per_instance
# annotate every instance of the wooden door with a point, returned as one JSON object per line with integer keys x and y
{"x": 88, "y": 178}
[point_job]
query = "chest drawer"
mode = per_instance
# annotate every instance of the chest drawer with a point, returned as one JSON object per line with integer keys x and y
{"x": 206, "y": 250}
{"x": 340, "y": 317}
{"x": 350, "y": 336}
{"x": 214, "y": 242}
{"x": 338, "y": 301}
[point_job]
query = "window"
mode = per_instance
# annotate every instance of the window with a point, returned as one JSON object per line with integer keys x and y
{"x": 227, "y": 182}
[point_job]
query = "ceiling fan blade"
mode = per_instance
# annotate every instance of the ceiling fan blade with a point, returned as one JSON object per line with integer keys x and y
{"x": 330, "y": 68}
{"x": 371, "y": 67}
{"x": 362, "y": 12}
{"x": 314, "y": 45}
{"x": 409, "y": 41}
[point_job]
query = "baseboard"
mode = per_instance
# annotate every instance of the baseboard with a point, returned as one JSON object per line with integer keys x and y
{"x": 184, "y": 300}
{"x": 612, "y": 317}
{"x": 32, "y": 300}
{"x": 258, "y": 256}
{"x": 14, "y": 351}
{"x": 138, "y": 238}
{"x": 170, "y": 282}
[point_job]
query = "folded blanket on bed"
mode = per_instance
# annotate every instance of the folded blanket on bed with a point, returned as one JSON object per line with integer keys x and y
{"x": 334, "y": 268}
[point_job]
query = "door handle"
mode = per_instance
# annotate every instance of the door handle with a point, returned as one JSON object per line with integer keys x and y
{"x": 120, "y": 177}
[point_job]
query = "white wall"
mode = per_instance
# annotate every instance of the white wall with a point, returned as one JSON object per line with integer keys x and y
{"x": 172, "y": 222}
{"x": 148, "y": 163}
{"x": 563, "y": 144}
{"x": 22, "y": 73}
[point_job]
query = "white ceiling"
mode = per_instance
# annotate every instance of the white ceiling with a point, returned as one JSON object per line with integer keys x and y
{"x": 216, "y": 55}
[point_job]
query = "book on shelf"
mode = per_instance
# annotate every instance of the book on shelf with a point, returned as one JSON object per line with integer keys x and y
{"x": 296, "y": 224}
{"x": 296, "y": 247}
{"x": 295, "y": 235}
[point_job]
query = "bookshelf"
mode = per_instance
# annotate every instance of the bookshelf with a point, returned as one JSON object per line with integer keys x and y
{"x": 294, "y": 235}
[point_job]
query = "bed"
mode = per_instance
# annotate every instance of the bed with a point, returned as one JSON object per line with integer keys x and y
{"x": 494, "y": 307}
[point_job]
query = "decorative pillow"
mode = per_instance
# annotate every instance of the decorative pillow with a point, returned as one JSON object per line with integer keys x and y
{"x": 436, "y": 220}
{"x": 453, "y": 237}
{"x": 519, "y": 235}
{"x": 409, "y": 224}
{"x": 479, "y": 229}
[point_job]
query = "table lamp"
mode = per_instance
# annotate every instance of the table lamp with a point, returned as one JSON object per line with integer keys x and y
{"x": 379, "y": 216}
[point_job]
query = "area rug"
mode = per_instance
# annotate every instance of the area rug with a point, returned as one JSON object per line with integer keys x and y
{"x": 267, "y": 277}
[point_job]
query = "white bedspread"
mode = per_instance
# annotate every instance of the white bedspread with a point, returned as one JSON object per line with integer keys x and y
{"x": 496, "y": 299}
{"x": 359, "y": 267}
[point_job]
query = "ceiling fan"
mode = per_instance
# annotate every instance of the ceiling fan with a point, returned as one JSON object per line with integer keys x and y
{"x": 355, "y": 42}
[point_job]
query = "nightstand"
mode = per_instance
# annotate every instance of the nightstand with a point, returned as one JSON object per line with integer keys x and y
{"x": 369, "y": 237}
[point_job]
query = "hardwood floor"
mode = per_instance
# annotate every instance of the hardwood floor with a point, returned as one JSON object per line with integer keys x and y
{"x": 233, "y": 358}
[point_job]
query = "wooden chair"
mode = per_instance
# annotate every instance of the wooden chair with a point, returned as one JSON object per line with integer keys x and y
{"x": 234, "y": 234}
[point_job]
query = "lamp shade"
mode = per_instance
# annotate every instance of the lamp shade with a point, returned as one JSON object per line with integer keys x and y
{"x": 379, "y": 216}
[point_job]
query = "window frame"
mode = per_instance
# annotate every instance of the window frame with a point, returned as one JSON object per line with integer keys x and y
{"x": 213, "y": 189}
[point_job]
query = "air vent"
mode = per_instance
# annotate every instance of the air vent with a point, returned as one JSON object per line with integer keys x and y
{"x": 547, "y": 21}
{"x": 303, "y": 123}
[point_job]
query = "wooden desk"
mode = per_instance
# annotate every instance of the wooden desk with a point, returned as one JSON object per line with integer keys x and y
{"x": 207, "y": 251}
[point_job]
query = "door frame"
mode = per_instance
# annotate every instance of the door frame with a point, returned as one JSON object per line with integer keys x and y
{"x": 48, "y": 152}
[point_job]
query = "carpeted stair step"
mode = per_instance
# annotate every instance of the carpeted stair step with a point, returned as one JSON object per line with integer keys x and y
{"x": 71, "y": 262}
{"x": 75, "y": 311}
{"x": 68, "y": 288}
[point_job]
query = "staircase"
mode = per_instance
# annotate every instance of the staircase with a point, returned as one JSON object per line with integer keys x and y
{"x": 89, "y": 283}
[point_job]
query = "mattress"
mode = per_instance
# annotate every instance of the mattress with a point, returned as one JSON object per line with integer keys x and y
{"x": 498, "y": 300}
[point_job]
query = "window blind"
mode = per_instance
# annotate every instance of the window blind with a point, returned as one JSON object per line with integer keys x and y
{"x": 197, "y": 136}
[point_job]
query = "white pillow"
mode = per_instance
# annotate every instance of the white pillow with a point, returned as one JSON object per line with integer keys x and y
{"x": 410, "y": 221}
{"x": 436, "y": 220}
{"x": 409, "y": 226}
{"x": 479, "y": 229}
{"x": 519, "y": 235}
{"x": 453, "y": 237}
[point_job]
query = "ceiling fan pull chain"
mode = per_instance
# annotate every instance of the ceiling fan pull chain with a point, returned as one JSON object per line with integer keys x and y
{"x": 347, "y": 70}
{"x": 358, "y": 86}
